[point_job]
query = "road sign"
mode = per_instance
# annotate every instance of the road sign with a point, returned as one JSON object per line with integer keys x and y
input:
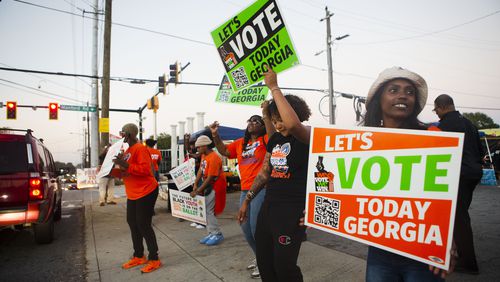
{"x": 77, "y": 108}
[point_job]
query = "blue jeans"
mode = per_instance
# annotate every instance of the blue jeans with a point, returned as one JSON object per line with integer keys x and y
{"x": 383, "y": 266}
{"x": 249, "y": 225}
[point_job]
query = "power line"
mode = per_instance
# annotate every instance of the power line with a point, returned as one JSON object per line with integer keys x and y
{"x": 119, "y": 24}
{"x": 39, "y": 94}
{"x": 43, "y": 91}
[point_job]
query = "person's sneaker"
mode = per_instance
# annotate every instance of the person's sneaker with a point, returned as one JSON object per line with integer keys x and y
{"x": 193, "y": 224}
{"x": 214, "y": 240}
{"x": 151, "y": 266}
{"x": 199, "y": 226}
{"x": 255, "y": 273}
{"x": 205, "y": 239}
{"x": 253, "y": 264}
{"x": 102, "y": 204}
{"x": 135, "y": 261}
{"x": 111, "y": 203}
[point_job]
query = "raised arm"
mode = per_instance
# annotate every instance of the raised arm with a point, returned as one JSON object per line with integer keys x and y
{"x": 270, "y": 130}
{"x": 288, "y": 115}
{"x": 214, "y": 129}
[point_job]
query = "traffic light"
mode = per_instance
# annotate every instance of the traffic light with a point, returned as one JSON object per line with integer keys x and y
{"x": 175, "y": 70}
{"x": 153, "y": 103}
{"x": 162, "y": 84}
{"x": 53, "y": 111}
{"x": 11, "y": 110}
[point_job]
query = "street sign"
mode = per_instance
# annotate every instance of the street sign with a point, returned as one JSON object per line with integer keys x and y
{"x": 77, "y": 108}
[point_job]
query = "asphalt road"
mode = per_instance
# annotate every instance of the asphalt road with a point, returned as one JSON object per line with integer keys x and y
{"x": 485, "y": 218}
{"x": 21, "y": 259}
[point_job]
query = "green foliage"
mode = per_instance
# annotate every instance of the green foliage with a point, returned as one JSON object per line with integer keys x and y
{"x": 481, "y": 120}
{"x": 164, "y": 141}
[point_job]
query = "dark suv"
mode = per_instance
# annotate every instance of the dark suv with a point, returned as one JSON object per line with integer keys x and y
{"x": 30, "y": 190}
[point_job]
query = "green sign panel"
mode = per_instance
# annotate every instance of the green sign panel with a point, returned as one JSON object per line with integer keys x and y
{"x": 253, "y": 40}
{"x": 252, "y": 96}
{"x": 77, "y": 108}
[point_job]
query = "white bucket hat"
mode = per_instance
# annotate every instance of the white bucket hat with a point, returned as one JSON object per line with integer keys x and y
{"x": 203, "y": 140}
{"x": 399, "y": 72}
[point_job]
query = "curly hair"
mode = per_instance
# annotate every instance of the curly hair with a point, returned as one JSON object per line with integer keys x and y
{"x": 298, "y": 105}
{"x": 373, "y": 114}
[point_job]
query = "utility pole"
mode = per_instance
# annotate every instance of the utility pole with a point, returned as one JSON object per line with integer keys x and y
{"x": 332, "y": 103}
{"x": 94, "y": 116}
{"x": 106, "y": 70}
{"x": 89, "y": 164}
{"x": 329, "y": 42}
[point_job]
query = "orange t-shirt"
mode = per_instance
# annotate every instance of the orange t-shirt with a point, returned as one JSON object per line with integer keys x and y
{"x": 155, "y": 156}
{"x": 250, "y": 160}
{"x": 211, "y": 164}
{"x": 139, "y": 178}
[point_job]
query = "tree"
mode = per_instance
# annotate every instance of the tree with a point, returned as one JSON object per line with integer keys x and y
{"x": 164, "y": 141}
{"x": 480, "y": 120}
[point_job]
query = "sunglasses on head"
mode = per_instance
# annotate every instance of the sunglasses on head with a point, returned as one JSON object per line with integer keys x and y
{"x": 254, "y": 120}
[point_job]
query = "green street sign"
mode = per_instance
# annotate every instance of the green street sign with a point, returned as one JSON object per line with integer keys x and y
{"x": 252, "y": 96}
{"x": 252, "y": 40}
{"x": 77, "y": 108}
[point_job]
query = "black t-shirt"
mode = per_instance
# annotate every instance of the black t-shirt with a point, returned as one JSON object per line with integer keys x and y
{"x": 289, "y": 159}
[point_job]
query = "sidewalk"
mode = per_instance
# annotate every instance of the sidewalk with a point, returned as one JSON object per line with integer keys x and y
{"x": 108, "y": 245}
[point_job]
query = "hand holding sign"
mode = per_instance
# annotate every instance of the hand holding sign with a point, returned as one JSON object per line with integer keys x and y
{"x": 271, "y": 79}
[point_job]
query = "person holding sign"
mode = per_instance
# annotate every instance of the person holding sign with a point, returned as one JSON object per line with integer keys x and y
{"x": 284, "y": 172}
{"x": 250, "y": 151}
{"x": 213, "y": 188}
{"x": 394, "y": 101}
{"x": 136, "y": 169}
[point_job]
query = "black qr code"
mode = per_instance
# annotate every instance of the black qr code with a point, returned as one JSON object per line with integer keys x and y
{"x": 240, "y": 77}
{"x": 327, "y": 211}
{"x": 224, "y": 96}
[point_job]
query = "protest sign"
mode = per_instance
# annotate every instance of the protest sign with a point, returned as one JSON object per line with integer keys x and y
{"x": 252, "y": 96}
{"x": 186, "y": 207}
{"x": 113, "y": 151}
{"x": 86, "y": 178}
{"x": 183, "y": 175}
{"x": 253, "y": 40}
{"x": 389, "y": 188}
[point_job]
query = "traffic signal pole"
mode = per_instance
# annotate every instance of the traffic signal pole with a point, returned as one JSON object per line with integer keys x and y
{"x": 94, "y": 116}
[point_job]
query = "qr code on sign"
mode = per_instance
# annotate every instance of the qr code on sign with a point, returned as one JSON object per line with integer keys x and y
{"x": 327, "y": 211}
{"x": 240, "y": 77}
{"x": 224, "y": 96}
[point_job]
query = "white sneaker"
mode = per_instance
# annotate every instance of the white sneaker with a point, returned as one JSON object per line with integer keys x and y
{"x": 253, "y": 264}
{"x": 193, "y": 224}
{"x": 199, "y": 226}
{"x": 255, "y": 273}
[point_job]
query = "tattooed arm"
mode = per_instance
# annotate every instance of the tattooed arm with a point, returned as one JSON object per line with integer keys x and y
{"x": 257, "y": 185}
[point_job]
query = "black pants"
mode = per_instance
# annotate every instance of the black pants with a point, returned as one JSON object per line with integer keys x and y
{"x": 462, "y": 233}
{"x": 278, "y": 237}
{"x": 139, "y": 215}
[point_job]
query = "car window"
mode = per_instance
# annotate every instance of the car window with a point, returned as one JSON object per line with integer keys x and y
{"x": 13, "y": 157}
{"x": 50, "y": 161}
{"x": 41, "y": 158}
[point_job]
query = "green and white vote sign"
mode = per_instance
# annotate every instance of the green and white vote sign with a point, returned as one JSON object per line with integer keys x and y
{"x": 252, "y": 40}
{"x": 251, "y": 96}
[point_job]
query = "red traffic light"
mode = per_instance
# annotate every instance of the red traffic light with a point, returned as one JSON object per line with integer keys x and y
{"x": 11, "y": 110}
{"x": 53, "y": 111}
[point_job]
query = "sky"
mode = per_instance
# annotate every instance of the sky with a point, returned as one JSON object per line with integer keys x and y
{"x": 453, "y": 44}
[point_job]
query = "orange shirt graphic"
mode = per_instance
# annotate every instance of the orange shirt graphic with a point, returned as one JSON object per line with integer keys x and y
{"x": 155, "y": 156}
{"x": 139, "y": 179}
{"x": 250, "y": 160}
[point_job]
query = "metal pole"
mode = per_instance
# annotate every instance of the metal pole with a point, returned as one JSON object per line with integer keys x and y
{"x": 88, "y": 138}
{"x": 94, "y": 116}
{"x": 140, "y": 126}
{"x": 156, "y": 136}
{"x": 106, "y": 70}
{"x": 333, "y": 103}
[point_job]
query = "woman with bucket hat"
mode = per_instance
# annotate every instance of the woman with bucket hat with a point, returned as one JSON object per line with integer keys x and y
{"x": 213, "y": 188}
{"x": 395, "y": 100}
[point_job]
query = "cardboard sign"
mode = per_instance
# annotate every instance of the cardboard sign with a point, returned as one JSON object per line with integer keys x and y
{"x": 113, "y": 151}
{"x": 252, "y": 96}
{"x": 186, "y": 207}
{"x": 86, "y": 178}
{"x": 389, "y": 188}
{"x": 253, "y": 40}
{"x": 183, "y": 175}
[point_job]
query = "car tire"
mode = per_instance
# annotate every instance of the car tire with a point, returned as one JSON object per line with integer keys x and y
{"x": 44, "y": 232}
{"x": 58, "y": 212}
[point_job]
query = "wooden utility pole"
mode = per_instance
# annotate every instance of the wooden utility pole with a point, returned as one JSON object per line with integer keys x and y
{"x": 106, "y": 71}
